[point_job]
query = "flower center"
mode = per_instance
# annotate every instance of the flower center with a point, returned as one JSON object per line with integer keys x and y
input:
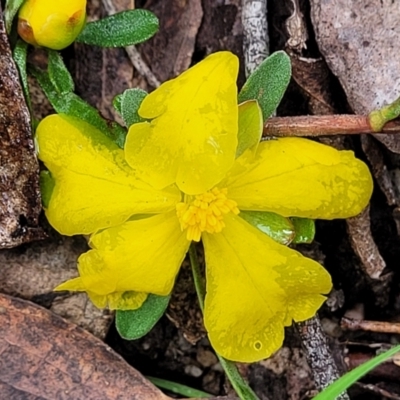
{"x": 205, "y": 212}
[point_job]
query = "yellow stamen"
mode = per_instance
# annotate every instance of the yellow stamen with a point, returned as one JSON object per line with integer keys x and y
{"x": 205, "y": 213}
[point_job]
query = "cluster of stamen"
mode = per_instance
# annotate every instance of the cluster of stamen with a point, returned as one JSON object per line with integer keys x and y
{"x": 205, "y": 213}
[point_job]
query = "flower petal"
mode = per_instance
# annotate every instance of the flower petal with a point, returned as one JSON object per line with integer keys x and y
{"x": 301, "y": 178}
{"x": 119, "y": 300}
{"x": 142, "y": 255}
{"x": 193, "y": 137}
{"x": 250, "y": 127}
{"x": 94, "y": 187}
{"x": 114, "y": 301}
{"x": 255, "y": 287}
{"x": 49, "y": 23}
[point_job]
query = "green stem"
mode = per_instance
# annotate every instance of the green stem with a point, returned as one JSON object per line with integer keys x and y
{"x": 240, "y": 386}
{"x": 198, "y": 279}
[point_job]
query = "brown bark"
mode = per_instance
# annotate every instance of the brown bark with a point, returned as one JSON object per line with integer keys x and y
{"x": 19, "y": 170}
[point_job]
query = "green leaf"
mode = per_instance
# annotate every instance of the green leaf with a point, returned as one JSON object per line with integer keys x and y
{"x": 379, "y": 118}
{"x": 47, "y": 184}
{"x": 133, "y": 324}
{"x": 178, "y": 388}
{"x": 339, "y": 386}
{"x": 11, "y": 9}
{"x": 117, "y": 103}
{"x": 131, "y": 100}
{"x": 19, "y": 55}
{"x": 274, "y": 225}
{"x": 304, "y": 229}
{"x": 241, "y": 387}
{"x": 59, "y": 74}
{"x": 250, "y": 126}
{"x": 71, "y": 104}
{"x": 267, "y": 84}
{"x": 120, "y": 30}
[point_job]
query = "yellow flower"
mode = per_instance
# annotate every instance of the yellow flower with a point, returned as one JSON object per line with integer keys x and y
{"x": 194, "y": 190}
{"x": 51, "y": 23}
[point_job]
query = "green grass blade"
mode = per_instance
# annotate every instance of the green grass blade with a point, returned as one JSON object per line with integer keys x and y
{"x": 177, "y": 388}
{"x": 339, "y": 386}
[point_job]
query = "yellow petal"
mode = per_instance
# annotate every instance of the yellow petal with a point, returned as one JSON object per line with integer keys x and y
{"x": 94, "y": 187}
{"x": 192, "y": 138}
{"x": 142, "y": 255}
{"x": 302, "y": 178}
{"x": 119, "y": 300}
{"x": 114, "y": 301}
{"x": 255, "y": 287}
{"x": 250, "y": 128}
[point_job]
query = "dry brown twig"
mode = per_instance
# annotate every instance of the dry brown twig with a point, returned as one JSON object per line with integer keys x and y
{"x": 133, "y": 54}
{"x": 351, "y": 324}
{"x": 324, "y": 125}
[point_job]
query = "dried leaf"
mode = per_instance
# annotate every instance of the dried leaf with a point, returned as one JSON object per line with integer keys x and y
{"x": 43, "y": 356}
{"x": 359, "y": 40}
{"x": 170, "y": 52}
{"x": 222, "y": 29}
{"x": 50, "y": 262}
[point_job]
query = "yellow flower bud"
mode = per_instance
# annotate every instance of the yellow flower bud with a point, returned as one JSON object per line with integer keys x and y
{"x": 50, "y": 23}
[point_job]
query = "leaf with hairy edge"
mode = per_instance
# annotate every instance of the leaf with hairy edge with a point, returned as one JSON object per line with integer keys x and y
{"x": 11, "y": 9}
{"x": 128, "y": 103}
{"x": 119, "y": 30}
{"x": 117, "y": 103}
{"x": 71, "y": 104}
{"x": 133, "y": 324}
{"x": 19, "y": 55}
{"x": 304, "y": 228}
{"x": 268, "y": 83}
{"x": 59, "y": 74}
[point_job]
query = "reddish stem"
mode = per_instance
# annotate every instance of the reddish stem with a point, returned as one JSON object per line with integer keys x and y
{"x": 324, "y": 125}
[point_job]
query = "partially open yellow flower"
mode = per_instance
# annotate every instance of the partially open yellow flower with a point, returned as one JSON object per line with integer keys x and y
{"x": 255, "y": 286}
{"x": 51, "y": 23}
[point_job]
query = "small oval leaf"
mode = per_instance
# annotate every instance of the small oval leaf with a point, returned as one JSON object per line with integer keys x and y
{"x": 71, "y": 104}
{"x": 133, "y": 324}
{"x": 268, "y": 83}
{"x": 59, "y": 74}
{"x": 274, "y": 225}
{"x": 130, "y": 103}
{"x": 119, "y": 30}
{"x": 20, "y": 57}
{"x": 250, "y": 126}
{"x": 11, "y": 9}
{"x": 117, "y": 103}
{"x": 304, "y": 230}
